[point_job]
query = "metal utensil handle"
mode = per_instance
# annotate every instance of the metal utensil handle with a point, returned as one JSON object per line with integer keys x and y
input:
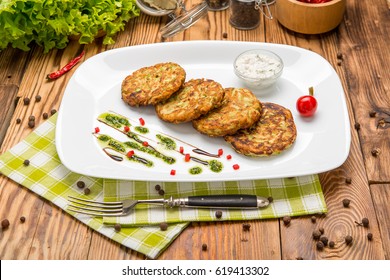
{"x": 223, "y": 201}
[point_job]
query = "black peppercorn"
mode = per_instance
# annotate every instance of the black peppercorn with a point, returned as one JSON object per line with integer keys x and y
{"x": 87, "y": 191}
{"x": 313, "y": 219}
{"x": 26, "y": 162}
{"x": 218, "y": 214}
{"x": 375, "y": 152}
{"x": 204, "y": 247}
{"x": 369, "y": 236}
{"x": 324, "y": 240}
{"x": 53, "y": 111}
{"x": 224, "y": 35}
{"x": 38, "y": 98}
{"x": 5, "y": 224}
{"x": 346, "y": 202}
{"x": 80, "y": 184}
{"x": 157, "y": 187}
{"x": 246, "y": 227}
{"x": 372, "y": 114}
{"x": 365, "y": 222}
{"x": 161, "y": 192}
{"x": 22, "y": 219}
{"x": 45, "y": 116}
{"x": 357, "y": 126}
{"x": 339, "y": 56}
{"x": 18, "y": 121}
{"x": 348, "y": 180}
{"x": 316, "y": 234}
{"x": 117, "y": 227}
{"x": 322, "y": 230}
{"x": 31, "y": 118}
{"x": 331, "y": 244}
{"x": 320, "y": 246}
{"x": 286, "y": 220}
{"x": 163, "y": 226}
{"x": 31, "y": 124}
{"x": 270, "y": 199}
{"x": 26, "y": 101}
{"x": 348, "y": 239}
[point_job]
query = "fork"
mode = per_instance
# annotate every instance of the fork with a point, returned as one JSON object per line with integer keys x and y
{"x": 123, "y": 208}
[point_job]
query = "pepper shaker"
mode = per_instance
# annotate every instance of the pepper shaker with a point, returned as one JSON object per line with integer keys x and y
{"x": 244, "y": 14}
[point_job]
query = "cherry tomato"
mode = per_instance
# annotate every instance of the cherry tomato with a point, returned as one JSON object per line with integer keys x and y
{"x": 307, "y": 104}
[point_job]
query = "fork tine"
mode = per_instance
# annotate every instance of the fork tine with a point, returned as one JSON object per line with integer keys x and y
{"x": 96, "y": 204}
{"x": 97, "y": 209}
{"x": 104, "y": 213}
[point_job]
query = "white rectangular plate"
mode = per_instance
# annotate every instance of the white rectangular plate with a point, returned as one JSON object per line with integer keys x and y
{"x": 322, "y": 143}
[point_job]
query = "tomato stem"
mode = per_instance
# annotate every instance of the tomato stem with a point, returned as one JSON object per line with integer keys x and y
{"x": 311, "y": 91}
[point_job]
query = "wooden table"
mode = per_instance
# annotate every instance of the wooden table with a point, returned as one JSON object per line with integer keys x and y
{"x": 362, "y": 39}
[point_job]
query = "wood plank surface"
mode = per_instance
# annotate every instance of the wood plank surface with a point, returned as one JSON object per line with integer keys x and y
{"x": 362, "y": 39}
{"x": 365, "y": 42}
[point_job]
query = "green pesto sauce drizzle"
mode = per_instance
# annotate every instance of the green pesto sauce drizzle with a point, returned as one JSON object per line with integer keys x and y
{"x": 144, "y": 161}
{"x": 195, "y": 170}
{"x": 215, "y": 166}
{"x": 167, "y": 142}
{"x": 150, "y": 150}
{"x": 141, "y": 129}
{"x": 115, "y": 145}
{"x": 115, "y": 120}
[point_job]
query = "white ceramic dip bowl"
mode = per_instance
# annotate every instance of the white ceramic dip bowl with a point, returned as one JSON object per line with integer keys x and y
{"x": 258, "y": 68}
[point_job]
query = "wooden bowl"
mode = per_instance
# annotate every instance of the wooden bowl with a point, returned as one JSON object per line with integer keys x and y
{"x": 310, "y": 18}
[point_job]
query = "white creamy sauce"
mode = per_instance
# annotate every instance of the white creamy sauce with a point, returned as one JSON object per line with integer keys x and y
{"x": 257, "y": 66}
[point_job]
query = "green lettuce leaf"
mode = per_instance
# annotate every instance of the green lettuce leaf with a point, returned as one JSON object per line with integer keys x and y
{"x": 50, "y": 23}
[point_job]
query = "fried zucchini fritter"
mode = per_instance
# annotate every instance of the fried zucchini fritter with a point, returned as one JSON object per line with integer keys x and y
{"x": 153, "y": 84}
{"x": 272, "y": 134}
{"x": 197, "y": 97}
{"x": 240, "y": 109}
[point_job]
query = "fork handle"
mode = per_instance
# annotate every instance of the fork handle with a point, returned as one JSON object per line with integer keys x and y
{"x": 239, "y": 201}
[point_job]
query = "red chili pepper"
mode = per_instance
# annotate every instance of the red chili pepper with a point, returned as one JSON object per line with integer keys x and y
{"x": 236, "y": 166}
{"x": 97, "y": 129}
{"x": 127, "y": 129}
{"x": 229, "y": 157}
{"x": 173, "y": 172}
{"x": 141, "y": 121}
{"x": 130, "y": 153}
{"x": 187, "y": 158}
{"x": 66, "y": 68}
{"x": 220, "y": 152}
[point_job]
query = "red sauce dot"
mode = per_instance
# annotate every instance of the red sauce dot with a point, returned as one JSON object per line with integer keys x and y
{"x": 236, "y": 166}
{"x": 97, "y": 129}
{"x": 173, "y": 172}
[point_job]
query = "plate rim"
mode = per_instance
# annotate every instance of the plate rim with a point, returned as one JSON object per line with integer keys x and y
{"x": 69, "y": 165}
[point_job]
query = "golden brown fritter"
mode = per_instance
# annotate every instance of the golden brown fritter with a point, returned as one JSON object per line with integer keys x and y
{"x": 272, "y": 134}
{"x": 153, "y": 84}
{"x": 197, "y": 97}
{"x": 240, "y": 109}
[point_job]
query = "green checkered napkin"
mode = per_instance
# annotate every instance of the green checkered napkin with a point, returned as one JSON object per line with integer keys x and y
{"x": 294, "y": 196}
{"x": 46, "y": 176}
